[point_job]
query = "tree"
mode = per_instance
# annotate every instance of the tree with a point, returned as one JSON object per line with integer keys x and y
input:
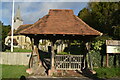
{"x": 101, "y": 15}
{"x": 5, "y": 29}
{"x": 116, "y": 32}
{"x": 104, "y": 17}
{"x": 0, "y": 36}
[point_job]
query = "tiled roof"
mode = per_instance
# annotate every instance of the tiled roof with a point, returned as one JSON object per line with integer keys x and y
{"x": 60, "y": 21}
{"x": 20, "y": 28}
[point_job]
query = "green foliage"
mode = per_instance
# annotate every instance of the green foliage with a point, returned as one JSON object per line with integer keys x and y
{"x": 19, "y": 50}
{"x": 96, "y": 58}
{"x": 111, "y": 61}
{"x": 63, "y": 53}
{"x": 108, "y": 72}
{"x": 98, "y": 53}
{"x": 101, "y": 15}
{"x": 85, "y": 15}
{"x": 116, "y": 32}
{"x": 0, "y": 36}
{"x": 75, "y": 42}
{"x": 74, "y": 49}
{"x": 99, "y": 43}
{"x": 98, "y": 50}
{"x": 4, "y": 31}
{"x": 13, "y": 71}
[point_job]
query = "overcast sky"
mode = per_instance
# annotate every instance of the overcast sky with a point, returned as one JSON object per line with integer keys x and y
{"x": 32, "y": 11}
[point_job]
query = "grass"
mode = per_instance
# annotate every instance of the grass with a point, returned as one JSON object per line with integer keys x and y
{"x": 63, "y": 53}
{"x": 13, "y": 71}
{"x": 19, "y": 50}
{"x": 108, "y": 72}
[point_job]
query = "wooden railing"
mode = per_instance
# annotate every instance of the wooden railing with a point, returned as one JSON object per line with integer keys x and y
{"x": 69, "y": 62}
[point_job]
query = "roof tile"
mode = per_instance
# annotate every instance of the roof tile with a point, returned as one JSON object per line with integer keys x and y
{"x": 60, "y": 21}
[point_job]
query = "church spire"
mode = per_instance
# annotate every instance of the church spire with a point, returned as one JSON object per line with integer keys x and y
{"x": 18, "y": 15}
{"x": 17, "y": 19}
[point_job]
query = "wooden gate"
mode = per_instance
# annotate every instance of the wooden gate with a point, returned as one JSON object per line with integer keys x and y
{"x": 69, "y": 62}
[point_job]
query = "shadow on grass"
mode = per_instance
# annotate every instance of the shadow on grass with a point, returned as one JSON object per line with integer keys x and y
{"x": 87, "y": 73}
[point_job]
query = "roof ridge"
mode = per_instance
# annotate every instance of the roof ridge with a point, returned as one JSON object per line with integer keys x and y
{"x": 25, "y": 24}
{"x": 54, "y": 11}
{"x": 61, "y": 9}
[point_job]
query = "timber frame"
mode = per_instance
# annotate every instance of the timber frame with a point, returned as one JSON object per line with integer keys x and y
{"x": 53, "y": 38}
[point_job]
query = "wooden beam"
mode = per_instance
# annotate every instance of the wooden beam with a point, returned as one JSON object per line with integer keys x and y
{"x": 107, "y": 60}
{"x": 52, "y": 53}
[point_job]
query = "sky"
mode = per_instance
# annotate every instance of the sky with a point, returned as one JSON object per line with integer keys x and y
{"x": 32, "y": 11}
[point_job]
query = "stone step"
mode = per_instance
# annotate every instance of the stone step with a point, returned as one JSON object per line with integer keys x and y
{"x": 40, "y": 71}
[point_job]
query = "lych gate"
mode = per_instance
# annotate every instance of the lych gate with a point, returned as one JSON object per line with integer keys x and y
{"x": 61, "y": 24}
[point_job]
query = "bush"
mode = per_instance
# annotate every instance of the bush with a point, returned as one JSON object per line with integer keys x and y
{"x": 98, "y": 50}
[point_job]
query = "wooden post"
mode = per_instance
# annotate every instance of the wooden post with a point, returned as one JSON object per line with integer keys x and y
{"x": 107, "y": 60}
{"x": 36, "y": 41}
{"x": 52, "y": 70}
{"x": 52, "y": 55}
{"x": 85, "y": 60}
{"x": 114, "y": 60}
{"x": 32, "y": 41}
{"x": 89, "y": 56}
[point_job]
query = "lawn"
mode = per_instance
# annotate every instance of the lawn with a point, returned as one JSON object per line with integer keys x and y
{"x": 108, "y": 72}
{"x": 13, "y": 71}
{"x": 19, "y": 50}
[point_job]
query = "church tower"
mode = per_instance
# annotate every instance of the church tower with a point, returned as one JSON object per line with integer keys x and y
{"x": 17, "y": 19}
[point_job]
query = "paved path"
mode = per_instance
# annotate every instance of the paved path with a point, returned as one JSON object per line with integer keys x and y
{"x": 59, "y": 79}
{"x": 75, "y": 78}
